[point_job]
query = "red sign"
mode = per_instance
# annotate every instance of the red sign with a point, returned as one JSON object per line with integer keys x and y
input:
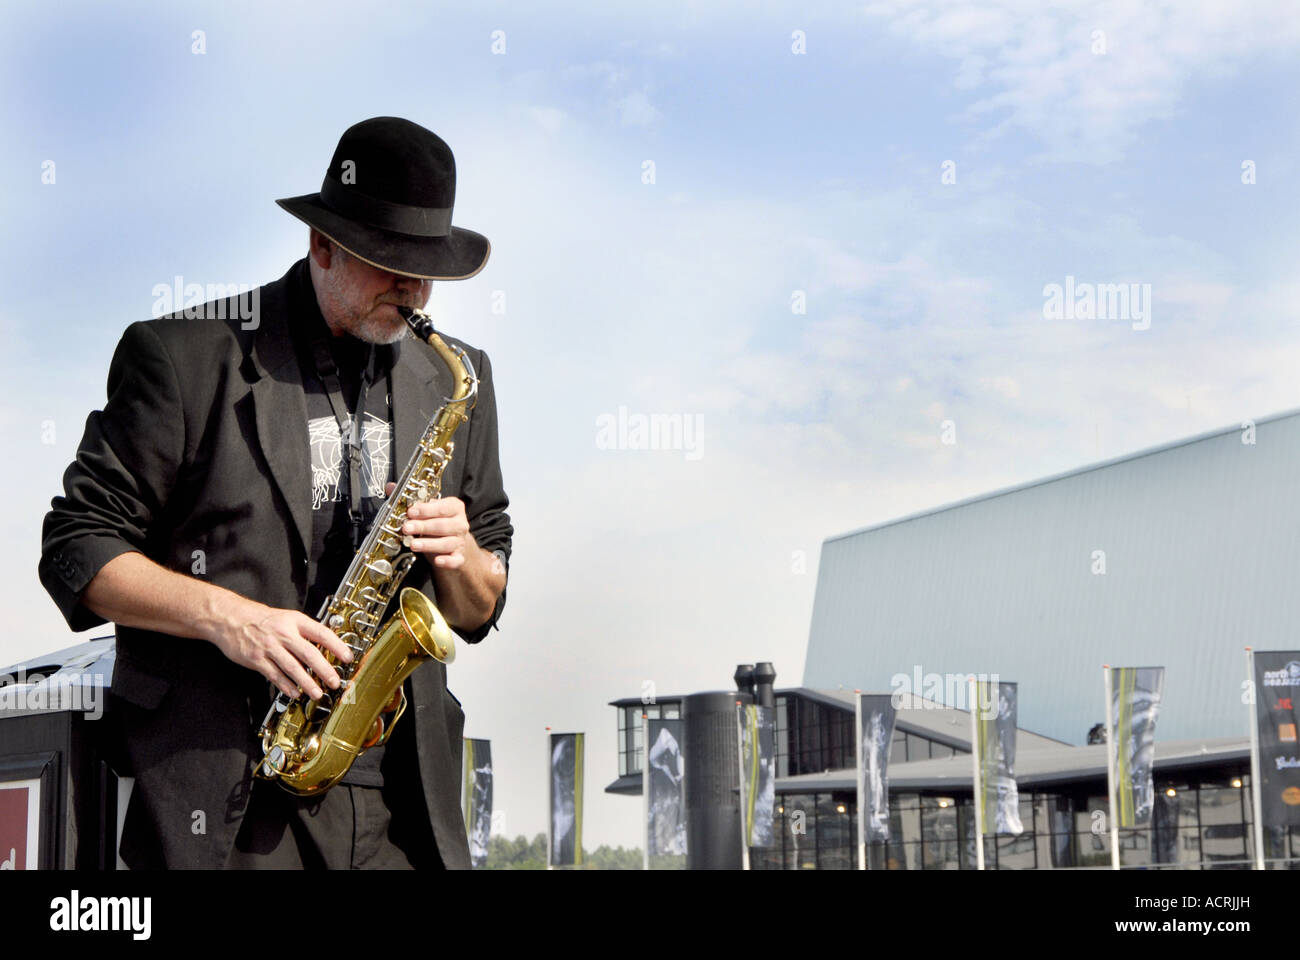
{"x": 15, "y": 801}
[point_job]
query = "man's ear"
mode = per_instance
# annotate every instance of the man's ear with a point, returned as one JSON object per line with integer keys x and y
{"x": 321, "y": 248}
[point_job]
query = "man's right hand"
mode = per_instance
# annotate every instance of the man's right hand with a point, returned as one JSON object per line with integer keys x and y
{"x": 283, "y": 646}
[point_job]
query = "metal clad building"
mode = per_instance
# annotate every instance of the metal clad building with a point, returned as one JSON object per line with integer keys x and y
{"x": 1201, "y": 541}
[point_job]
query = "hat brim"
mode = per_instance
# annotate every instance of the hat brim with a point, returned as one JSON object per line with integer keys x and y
{"x": 455, "y": 257}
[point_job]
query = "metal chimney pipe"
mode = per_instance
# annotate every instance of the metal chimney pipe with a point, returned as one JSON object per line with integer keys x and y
{"x": 764, "y": 680}
{"x": 744, "y": 678}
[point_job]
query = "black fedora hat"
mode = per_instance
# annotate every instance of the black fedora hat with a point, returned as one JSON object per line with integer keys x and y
{"x": 387, "y": 200}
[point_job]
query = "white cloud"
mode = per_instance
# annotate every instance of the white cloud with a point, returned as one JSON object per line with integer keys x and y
{"x": 636, "y": 110}
{"x": 628, "y": 101}
{"x": 1032, "y": 67}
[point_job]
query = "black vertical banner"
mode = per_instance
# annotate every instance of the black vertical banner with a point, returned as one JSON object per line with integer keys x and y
{"x": 476, "y": 795}
{"x": 874, "y": 740}
{"x": 566, "y": 799}
{"x": 667, "y": 798}
{"x": 1277, "y": 684}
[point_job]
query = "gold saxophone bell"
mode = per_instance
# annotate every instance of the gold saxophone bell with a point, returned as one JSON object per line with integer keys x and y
{"x": 318, "y": 754}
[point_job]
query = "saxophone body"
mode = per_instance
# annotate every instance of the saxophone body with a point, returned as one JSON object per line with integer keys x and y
{"x": 309, "y": 745}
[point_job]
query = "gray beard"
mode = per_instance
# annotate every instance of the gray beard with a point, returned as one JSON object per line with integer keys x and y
{"x": 373, "y": 330}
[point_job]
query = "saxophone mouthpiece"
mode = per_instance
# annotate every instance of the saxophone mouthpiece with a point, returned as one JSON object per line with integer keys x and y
{"x": 421, "y": 323}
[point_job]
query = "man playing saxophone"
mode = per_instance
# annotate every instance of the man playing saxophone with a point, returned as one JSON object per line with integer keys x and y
{"x": 222, "y": 493}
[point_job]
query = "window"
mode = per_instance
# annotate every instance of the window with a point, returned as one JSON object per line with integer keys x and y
{"x": 898, "y": 749}
{"x": 1052, "y": 830}
{"x": 1174, "y": 822}
{"x": 629, "y": 731}
{"x": 622, "y": 742}
{"x": 782, "y": 739}
{"x": 941, "y": 843}
{"x": 835, "y": 833}
{"x": 904, "y": 848}
{"x": 812, "y": 737}
{"x": 800, "y": 834}
{"x": 1223, "y": 824}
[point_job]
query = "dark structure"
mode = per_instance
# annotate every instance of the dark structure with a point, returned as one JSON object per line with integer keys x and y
{"x": 59, "y": 776}
{"x": 712, "y": 781}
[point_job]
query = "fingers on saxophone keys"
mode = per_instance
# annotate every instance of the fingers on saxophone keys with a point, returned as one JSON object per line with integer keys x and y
{"x": 311, "y": 658}
{"x": 320, "y": 634}
{"x": 435, "y": 545}
{"x": 298, "y": 675}
{"x": 282, "y": 683}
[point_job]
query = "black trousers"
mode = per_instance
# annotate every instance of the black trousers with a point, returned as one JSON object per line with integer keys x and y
{"x": 349, "y": 827}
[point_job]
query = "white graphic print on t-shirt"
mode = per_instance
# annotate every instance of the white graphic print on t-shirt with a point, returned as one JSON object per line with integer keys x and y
{"x": 328, "y": 484}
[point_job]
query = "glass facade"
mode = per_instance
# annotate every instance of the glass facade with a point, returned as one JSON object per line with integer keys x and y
{"x": 1201, "y": 820}
{"x": 819, "y": 832}
{"x": 629, "y": 731}
{"x": 1196, "y": 824}
{"x": 910, "y": 746}
{"x": 812, "y": 737}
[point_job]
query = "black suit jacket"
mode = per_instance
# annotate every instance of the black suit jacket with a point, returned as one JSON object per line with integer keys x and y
{"x": 203, "y": 446}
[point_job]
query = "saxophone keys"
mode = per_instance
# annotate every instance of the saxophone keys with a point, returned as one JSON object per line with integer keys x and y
{"x": 274, "y": 762}
{"x": 380, "y": 567}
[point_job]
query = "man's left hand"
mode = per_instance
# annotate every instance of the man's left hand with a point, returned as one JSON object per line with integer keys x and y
{"x": 438, "y": 529}
{"x": 467, "y": 578}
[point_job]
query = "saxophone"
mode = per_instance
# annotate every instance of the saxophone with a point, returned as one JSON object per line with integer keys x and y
{"x": 308, "y": 745}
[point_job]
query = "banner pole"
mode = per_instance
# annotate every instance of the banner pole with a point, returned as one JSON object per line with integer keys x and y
{"x": 862, "y": 817}
{"x": 977, "y": 792}
{"x": 1255, "y": 786}
{"x": 1112, "y": 736}
{"x": 741, "y": 793}
{"x": 645, "y": 785}
{"x": 550, "y": 797}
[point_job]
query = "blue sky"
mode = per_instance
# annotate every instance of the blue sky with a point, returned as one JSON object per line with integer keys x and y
{"x": 775, "y": 172}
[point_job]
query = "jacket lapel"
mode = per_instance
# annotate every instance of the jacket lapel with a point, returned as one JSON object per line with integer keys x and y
{"x": 417, "y": 388}
{"x": 280, "y": 407}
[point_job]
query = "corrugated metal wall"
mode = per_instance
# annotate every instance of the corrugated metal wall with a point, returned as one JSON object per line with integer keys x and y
{"x": 1202, "y": 551}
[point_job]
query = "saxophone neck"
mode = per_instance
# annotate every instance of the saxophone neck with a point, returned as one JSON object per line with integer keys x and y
{"x": 454, "y": 358}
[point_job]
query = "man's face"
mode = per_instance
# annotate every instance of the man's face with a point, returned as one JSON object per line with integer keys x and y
{"x": 359, "y": 299}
